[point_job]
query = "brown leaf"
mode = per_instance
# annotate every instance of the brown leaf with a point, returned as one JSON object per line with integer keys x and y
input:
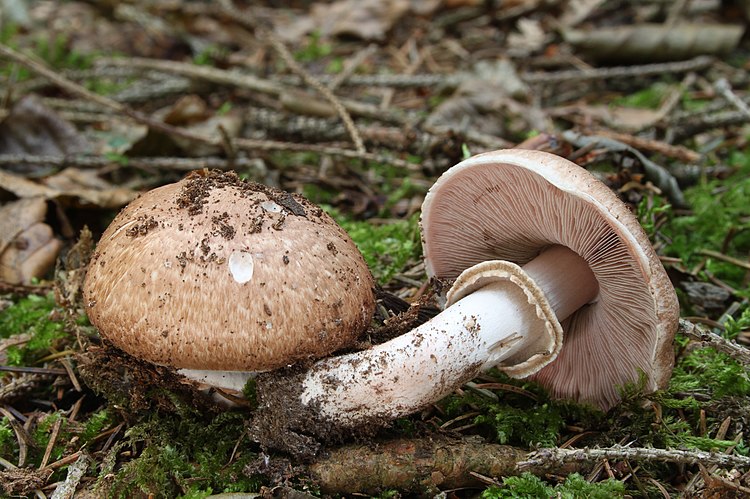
{"x": 33, "y": 128}
{"x": 366, "y": 19}
{"x": 28, "y": 247}
{"x": 81, "y": 185}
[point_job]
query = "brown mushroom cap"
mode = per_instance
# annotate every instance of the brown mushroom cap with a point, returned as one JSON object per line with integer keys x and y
{"x": 215, "y": 273}
{"x": 511, "y": 205}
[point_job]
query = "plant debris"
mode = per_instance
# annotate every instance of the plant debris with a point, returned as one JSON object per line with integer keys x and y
{"x": 359, "y": 107}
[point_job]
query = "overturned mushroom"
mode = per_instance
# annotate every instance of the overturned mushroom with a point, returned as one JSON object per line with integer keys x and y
{"x": 555, "y": 278}
{"x": 219, "y": 277}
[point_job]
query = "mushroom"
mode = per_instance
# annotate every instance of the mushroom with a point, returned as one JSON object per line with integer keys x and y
{"x": 218, "y": 278}
{"x": 28, "y": 246}
{"x": 554, "y": 280}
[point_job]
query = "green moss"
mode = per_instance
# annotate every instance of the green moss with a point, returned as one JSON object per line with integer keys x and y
{"x": 710, "y": 371}
{"x": 649, "y": 211}
{"x": 575, "y": 487}
{"x": 55, "y": 51}
{"x": 96, "y": 423}
{"x": 8, "y": 446}
{"x": 31, "y": 315}
{"x": 733, "y": 327}
{"x": 313, "y": 49}
{"x": 720, "y": 221}
{"x": 187, "y": 455}
{"x": 648, "y": 98}
{"x": 386, "y": 248}
{"x": 43, "y": 432}
{"x": 519, "y": 420}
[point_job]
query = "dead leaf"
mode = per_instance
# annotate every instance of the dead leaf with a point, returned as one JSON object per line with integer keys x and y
{"x": 502, "y": 72}
{"x": 366, "y": 19}
{"x": 28, "y": 247}
{"x": 80, "y": 185}
{"x": 188, "y": 109}
{"x": 33, "y": 128}
{"x": 530, "y": 37}
{"x": 16, "y": 216}
{"x": 482, "y": 100}
{"x": 655, "y": 42}
{"x": 575, "y": 11}
{"x": 88, "y": 187}
{"x": 475, "y": 105}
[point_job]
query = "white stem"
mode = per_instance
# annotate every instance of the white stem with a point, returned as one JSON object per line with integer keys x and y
{"x": 231, "y": 380}
{"x": 401, "y": 376}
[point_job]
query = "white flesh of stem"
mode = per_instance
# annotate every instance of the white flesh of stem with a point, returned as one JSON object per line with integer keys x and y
{"x": 231, "y": 380}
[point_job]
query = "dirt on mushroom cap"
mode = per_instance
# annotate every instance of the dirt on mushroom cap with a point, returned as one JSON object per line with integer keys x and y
{"x": 187, "y": 274}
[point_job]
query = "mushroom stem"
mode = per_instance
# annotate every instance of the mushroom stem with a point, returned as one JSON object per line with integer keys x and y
{"x": 566, "y": 279}
{"x": 495, "y": 323}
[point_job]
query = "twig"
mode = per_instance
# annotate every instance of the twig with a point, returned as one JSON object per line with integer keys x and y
{"x": 170, "y": 163}
{"x": 695, "y": 64}
{"x": 726, "y": 258}
{"x": 20, "y": 386}
{"x": 242, "y": 80}
{"x": 558, "y": 457}
{"x": 22, "y": 436}
{"x": 452, "y": 80}
{"x": 75, "y": 472}
{"x": 351, "y": 66}
{"x": 722, "y": 86}
{"x": 243, "y": 20}
{"x": 25, "y": 289}
{"x": 713, "y": 340}
{"x": 33, "y": 370}
{"x": 419, "y": 466}
{"x": 702, "y": 121}
{"x": 41, "y": 69}
{"x": 51, "y": 443}
{"x": 681, "y": 153}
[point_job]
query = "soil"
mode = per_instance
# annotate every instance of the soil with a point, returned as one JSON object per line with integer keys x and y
{"x": 130, "y": 383}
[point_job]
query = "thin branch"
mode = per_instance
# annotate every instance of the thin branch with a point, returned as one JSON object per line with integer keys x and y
{"x": 76, "y": 471}
{"x": 656, "y": 69}
{"x": 165, "y": 162}
{"x": 557, "y": 457}
{"x": 710, "y": 339}
{"x": 681, "y": 153}
{"x": 724, "y": 88}
{"x": 452, "y": 80}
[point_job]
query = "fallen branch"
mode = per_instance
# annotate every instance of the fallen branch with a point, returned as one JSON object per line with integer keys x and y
{"x": 555, "y": 457}
{"x": 427, "y": 465}
{"x": 710, "y": 339}
{"x": 76, "y": 471}
{"x": 420, "y": 466}
{"x": 166, "y": 162}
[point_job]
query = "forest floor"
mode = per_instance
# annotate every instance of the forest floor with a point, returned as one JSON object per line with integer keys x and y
{"x": 360, "y": 106}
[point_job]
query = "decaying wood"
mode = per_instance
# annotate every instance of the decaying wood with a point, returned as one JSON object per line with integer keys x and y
{"x": 420, "y": 466}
